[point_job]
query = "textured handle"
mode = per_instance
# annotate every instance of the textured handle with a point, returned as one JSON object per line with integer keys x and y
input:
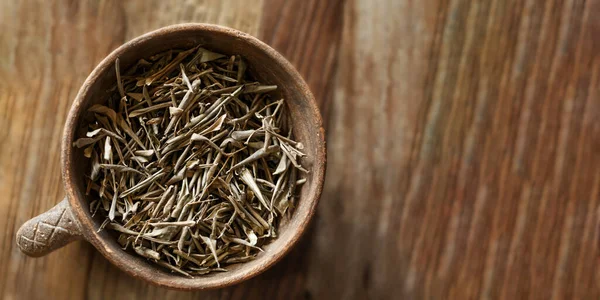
{"x": 48, "y": 231}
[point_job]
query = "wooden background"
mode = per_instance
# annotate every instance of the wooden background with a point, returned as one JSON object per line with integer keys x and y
{"x": 463, "y": 141}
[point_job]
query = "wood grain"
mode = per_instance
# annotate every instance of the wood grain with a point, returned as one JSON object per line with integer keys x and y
{"x": 308, "y": 34}
{"x": 462, "y": 137}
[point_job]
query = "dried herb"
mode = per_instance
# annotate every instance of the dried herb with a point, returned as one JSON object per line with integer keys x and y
{"x": 193, "y": 164}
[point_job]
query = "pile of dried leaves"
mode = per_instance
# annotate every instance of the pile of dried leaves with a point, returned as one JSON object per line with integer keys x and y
{"x": 192, "y": 163}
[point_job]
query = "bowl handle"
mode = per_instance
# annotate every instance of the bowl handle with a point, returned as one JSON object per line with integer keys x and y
{"x": 49, "y": 231}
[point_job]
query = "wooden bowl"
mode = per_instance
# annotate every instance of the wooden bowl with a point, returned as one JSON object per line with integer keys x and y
{"x": 70, "y": 219}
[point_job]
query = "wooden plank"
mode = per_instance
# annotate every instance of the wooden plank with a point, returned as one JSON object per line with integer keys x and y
{"x": 462, "y": 138}
{"x": 308, "y": 34}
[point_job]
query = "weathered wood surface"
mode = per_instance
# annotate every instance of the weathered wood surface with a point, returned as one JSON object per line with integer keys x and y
{"x": 463, "y": 144}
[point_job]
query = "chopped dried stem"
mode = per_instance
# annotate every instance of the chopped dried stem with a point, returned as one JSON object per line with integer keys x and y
{"x": 192, "y": 162}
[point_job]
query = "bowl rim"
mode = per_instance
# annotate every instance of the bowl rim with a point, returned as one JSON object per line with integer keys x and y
{"x": 176, "y": 282}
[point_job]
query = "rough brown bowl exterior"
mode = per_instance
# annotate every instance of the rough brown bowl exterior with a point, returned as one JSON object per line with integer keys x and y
{"x": 268, "y": 66}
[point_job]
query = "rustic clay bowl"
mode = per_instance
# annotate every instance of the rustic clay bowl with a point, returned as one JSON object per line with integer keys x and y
{"x": 70, "y": 219}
